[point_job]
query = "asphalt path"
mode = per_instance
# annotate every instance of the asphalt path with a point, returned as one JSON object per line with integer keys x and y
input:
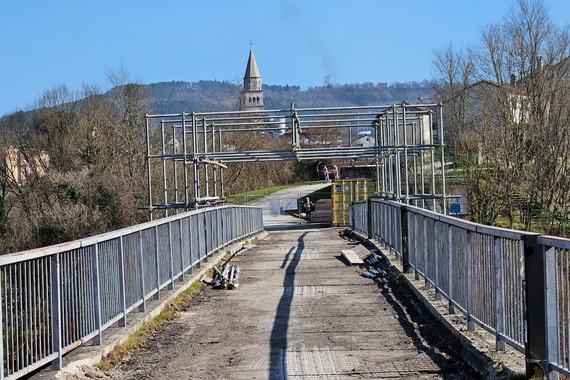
{"x": 274, "y": 205}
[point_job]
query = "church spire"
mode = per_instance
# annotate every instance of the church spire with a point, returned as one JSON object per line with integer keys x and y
{"x": 252, "y": 97}
{"x": 251, "y": 70}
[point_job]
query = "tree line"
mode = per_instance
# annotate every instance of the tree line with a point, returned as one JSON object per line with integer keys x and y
{"x": 508, "y": 122}
{"x": 74, "y": 166}
{"x": 79, "y": 165}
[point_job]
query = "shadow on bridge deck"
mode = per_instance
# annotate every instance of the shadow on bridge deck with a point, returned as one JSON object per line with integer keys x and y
{"x": 301, "y": 312}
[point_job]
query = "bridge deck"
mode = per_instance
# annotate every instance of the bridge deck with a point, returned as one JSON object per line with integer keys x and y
{"x": 300, "y": 312}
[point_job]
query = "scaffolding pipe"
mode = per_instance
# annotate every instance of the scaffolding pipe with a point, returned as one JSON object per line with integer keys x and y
{"x": 401, "y": 133}
{"x": 185, "y": 165}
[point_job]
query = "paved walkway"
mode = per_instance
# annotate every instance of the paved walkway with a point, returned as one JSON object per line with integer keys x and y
{"x": 276, "y": 217}
{"x": 300, "y": 313}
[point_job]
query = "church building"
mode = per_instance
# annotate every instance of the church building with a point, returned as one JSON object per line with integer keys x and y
{"x": 252, "y": 96}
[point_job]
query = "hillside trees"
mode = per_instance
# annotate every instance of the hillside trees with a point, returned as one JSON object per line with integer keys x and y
{"x": 87, "y": 166}
{"x": 507, "y": 120}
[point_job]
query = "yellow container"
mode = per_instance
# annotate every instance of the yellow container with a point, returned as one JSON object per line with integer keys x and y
{"x": 345, "y": 191}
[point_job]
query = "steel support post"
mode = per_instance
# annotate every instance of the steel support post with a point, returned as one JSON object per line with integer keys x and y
{"x": 163, "y": 159}
{"x": 405, "y": 146}
{"x": 422, "y": 178}
{"x": 442, "y": 157}
{"x": 214, "y": 167}
{"x": 376, "y": 157}
{"x": 148, "y": 165}
{"x": 175, "y": 165}
{"x": 295, "y": 138}
{"x": 194, "y": 153}
{"x": 397, "y": 144}
{"x": 221, "y": 148}
{"x": 185, "y": 162}
{"x": 432, "y": 160}
{"x": 205, "y": 137}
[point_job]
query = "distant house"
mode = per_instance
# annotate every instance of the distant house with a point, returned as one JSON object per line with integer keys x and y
{"x": 482, "y": 105}
{"x": 365, "y": 141}
{"x": 486, "y": 95}
{"x": 18, "y": 169}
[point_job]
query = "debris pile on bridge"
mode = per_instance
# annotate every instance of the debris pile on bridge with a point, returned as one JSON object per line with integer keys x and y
{"x": 373, "y": 269}
{"x": 225, "y": 277}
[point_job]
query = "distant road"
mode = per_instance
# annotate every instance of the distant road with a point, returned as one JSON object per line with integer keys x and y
{"x": 275, "y": 216}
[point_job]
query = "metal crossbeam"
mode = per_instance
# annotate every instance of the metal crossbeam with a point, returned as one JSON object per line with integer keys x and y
{"x": 193, "y": 149}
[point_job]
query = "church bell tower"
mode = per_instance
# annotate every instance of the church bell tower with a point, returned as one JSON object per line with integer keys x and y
{"x": 252, "y": 96}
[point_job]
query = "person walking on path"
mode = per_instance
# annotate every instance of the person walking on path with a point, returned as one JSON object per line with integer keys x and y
{"x": 308, "y": 207}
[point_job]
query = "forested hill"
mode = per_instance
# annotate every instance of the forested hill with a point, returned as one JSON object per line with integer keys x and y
{"x": 176, "y": 97}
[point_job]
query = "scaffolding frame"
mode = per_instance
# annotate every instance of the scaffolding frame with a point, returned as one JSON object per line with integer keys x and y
{"x": 189, "y": 148}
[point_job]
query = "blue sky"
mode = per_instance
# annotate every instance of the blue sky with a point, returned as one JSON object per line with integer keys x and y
{"x": 297, "y": 42}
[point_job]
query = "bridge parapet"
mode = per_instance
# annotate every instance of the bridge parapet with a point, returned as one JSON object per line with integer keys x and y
{"x": 514, "y": 284}
{"x": 54, "y": 299}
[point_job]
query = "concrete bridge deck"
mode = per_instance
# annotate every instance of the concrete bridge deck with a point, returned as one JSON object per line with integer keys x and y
{"x": 300, "y": 313}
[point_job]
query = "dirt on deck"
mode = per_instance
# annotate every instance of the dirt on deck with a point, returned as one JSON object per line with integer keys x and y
{"x": 301, "y": 312}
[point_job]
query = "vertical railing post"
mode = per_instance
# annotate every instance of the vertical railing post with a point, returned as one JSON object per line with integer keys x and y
{"x": 142, "y": 306}
{"x": 55, "y": 314}
{"x": 499, "y": 294}
{"x": 541, "y": 346}
{"x": 181, "y": 242}
{"x": 122, "y": 288}
{"x": 96, "y": 294}
{"x": 369, "y": 219}
{"x": 156, "y": 263}
{"x": 404, "y": 239}
{"x": 469, "y": 269}
{"x": 551, "y": 312}
{"x": 191, "y": 243}
{"x": 437, "y": 257}
{"x": 198, "y": 238}
{"x": 450, "y": 267}
{"x": 171, "y": 257}
{"x": 427, "y": 284}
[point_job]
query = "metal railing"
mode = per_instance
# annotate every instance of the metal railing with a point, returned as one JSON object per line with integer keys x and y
{"x": 56, "y": 298}
{"x": 514, "y": 284}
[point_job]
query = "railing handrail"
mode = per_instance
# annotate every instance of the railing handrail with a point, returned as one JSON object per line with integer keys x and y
{"x": 29, "y": 254}
{"x": 55, "y": 298}
{"x": 519, "y": 290}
